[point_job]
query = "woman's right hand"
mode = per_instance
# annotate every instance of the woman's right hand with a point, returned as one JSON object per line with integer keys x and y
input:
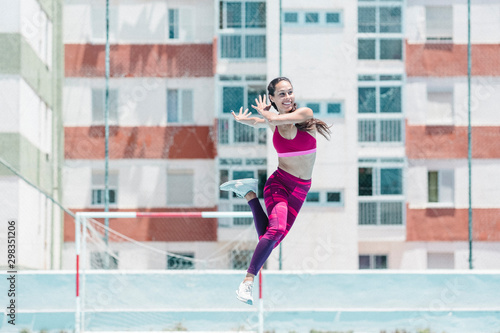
{"x": 242, "y": 116}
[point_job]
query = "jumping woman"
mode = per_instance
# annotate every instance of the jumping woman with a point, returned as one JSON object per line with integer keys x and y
{"x": 294, "y": 138}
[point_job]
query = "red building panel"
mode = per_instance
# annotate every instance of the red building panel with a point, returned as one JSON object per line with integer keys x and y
{"x": 172, "y": 142}
{"x": 155, "y": 229}
{"x": 449, "y": 224}
{"x": 149, "y": 60}
{"x": 445, "y": 142}
{"x": 441, "y": 60}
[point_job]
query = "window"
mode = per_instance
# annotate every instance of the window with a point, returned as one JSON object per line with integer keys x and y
{"x": 291, "y": 17}
{"x": 324, "y": 108}
{"x": 332, "y": 17}
{"x": 312, "y": 197}
{"x": 180, "y": 187}
{"x": 380, "y": 30}
{"x": 441, "y": 185}
{"x": 180, "y": 24}
{"x": 99, "y": 106}
{"x": 179, "y": 106}
{"x": 380, "y": 114}
{"x": 373, "y": 262}
{"x": 98, "y": 188}
{"x": 180, "y": 261}
{"x": 440, "y": 260}
{"x": 242, "y": 26}
{"x": 103, "y": 260}
{"x": 334, "y": 197}
{"x": 328, "y": 198}
{"x": 223, "y": 177}
{"x": 439, "y": 105}
{"x": 380, "y": 213}
{"x": 312, "y": 17}
{"x": 173, "y": 23}
{"x": 238, "y": 168}
{"x": 380, "y": 192}
{"x": 240, "y": 92}
{"x": 314, "y": 107}
{"x": 381, "y": 96}
{"x": 242, "y": 221}
{"x": 381, "y": 181}
{"x": 439, "y": 23}
{"x": 308, "y": 18}
{"x": 334, "y": 109}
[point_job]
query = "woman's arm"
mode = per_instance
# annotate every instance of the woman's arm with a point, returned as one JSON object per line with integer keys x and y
{"x": 298, "y": 116}
{"x": 244, "y": 118}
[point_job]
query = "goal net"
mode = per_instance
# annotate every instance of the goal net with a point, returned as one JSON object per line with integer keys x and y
{"x": 123, "y": 284}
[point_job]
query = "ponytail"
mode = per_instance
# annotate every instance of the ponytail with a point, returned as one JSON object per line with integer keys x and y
{"x": 314, "y": 123}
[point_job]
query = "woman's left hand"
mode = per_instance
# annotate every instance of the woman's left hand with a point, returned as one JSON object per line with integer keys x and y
{"x": 262, "y": 106}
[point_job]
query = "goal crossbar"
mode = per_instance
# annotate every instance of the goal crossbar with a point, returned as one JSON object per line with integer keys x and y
{"x": 208, "y": 214}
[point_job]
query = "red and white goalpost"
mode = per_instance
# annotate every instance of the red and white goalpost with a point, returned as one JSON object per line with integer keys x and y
{"x": 81, "y": 226}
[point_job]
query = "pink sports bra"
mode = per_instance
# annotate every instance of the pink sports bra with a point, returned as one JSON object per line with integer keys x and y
{"x": 303, "y": 144}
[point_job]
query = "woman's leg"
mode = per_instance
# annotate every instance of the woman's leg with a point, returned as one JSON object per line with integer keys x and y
{"x": 261, "y": 223}
{"x": 274, "y": 233}
{"x": 259, "y": 216}
{"x": 275, "y": 197}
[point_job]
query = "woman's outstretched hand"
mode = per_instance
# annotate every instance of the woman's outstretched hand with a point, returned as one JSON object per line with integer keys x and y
{"x": 262, "y": 105}
{"x": 243, "y": 116}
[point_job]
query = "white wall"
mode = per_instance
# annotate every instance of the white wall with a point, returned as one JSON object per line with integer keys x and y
{"x": 321, "y": 63}
{"x": 416, "y": 181}
{"x": 33, "y": 227}
{"x": 485, "y": 21}
{"x": 413, "y": 255}
{"x": 10, "y": 17}
{"x": 28, "y": 18}
{"x": 35, "y": 121}
{"x": 28, "y": 115}
{"x": 485, "y": 255}
{"x": 485, "y": 185}
{"x": 485, "y": 96}
{"x": 138, "y": 22}
{"x": 10, "y": 208}
{"x": 141, "y": 183}
{"x": 141, "y": 101}
{"x": 321, "y": 238}
{"x": 9, "y": 103}
{"x": 36, "y": 28}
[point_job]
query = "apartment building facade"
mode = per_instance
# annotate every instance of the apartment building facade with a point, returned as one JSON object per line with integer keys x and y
{"x": 389, "y": 188}
{"x": 162, "y": 138}
{"x": 31, "y": 134}
{"x": 437, "y": 133}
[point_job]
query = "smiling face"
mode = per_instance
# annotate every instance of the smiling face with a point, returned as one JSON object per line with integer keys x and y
{"x": 283, "y": 96}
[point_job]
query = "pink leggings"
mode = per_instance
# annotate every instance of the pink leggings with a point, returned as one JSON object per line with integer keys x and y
{"x": 284, "y": 195}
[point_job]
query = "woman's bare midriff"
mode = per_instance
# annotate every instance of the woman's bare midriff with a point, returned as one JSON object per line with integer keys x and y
{"x": 299, "y": 166}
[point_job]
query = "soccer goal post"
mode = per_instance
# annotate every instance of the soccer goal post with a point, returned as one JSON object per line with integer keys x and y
{"x": 90, "y": 241}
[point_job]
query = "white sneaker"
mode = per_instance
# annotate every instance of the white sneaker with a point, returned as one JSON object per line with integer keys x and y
{"x": 244, "y": 292}
{"x": 240, "y": 186}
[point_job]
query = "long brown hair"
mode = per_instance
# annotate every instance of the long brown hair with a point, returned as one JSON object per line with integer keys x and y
{"x": 308, "y": 125}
